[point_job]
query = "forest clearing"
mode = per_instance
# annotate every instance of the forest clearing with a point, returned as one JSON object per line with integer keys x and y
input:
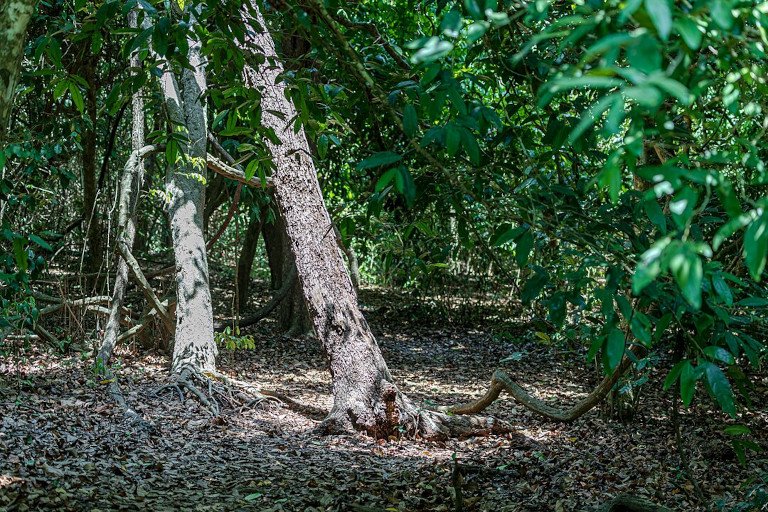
{"x": 383, "y": 255}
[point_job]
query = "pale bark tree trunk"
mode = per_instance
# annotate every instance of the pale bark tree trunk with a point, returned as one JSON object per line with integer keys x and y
{"x": 14, "y": 17}
{"x": 194, "y": 347}
{"x": 130, "y": 186}
{"x": 365, "y": 398}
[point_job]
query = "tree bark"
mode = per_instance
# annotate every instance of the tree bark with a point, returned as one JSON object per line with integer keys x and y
{"x": 365, "y": 397}
{"x": 245, "y": 260}
{"x": 14, "y": 17}
{"x": 90, "y": 179}
{"x": 293, "y": 317}
{"x": 194, "y": 346}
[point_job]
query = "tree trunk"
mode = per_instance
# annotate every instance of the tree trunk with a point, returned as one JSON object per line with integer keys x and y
{"x": 90, "y": 180}
{"x": 14, "y": 17}
{"x": 194, "y": 346}
{"x": 245, "y": 260}
{"x": 293, "y": 317}
{"x": 365, "y": 398}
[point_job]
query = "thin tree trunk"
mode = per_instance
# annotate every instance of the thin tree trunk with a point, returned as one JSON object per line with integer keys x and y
{"x": 194, "y": 346}
{"x": 14, "y": 17}
{"x": 365, "y": 398}
{"x": 245, "y": 260}
{"x": 90, "y": 179}
{"x": 293, "y": 317}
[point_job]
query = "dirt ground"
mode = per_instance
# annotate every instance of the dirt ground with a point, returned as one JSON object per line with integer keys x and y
{"x": 65, "y": 446}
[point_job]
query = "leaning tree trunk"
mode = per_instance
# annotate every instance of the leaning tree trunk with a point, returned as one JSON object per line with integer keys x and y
{"x": 365, "y": 398}
{"x": 14, "y": 17}
{"x": 292, "y": 317}
{"x": 194, "y": 347}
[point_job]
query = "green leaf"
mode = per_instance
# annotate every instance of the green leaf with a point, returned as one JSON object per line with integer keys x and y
{"x": 753, "y": 302}
{"x": 614, "y": 348}
{"x": 77, "y": 97}
{"x": 469, "y": 143}
{"x": 645, "y": 54}
{"x": 385, "y": 179}
{"x": 661, "y": 16}
{"x": 452, "y": 139}
{"x": 722, "y": 289}
{"x": 682, "y": 206}
{"x": 253, "y": 496}
{"x": 721, "y": 13}
{"x": 689, "y": 30}
{"x": 673, "y": 375}
{"x": 649, "y": 267}
{"x": 431, "y": 50}
{"x": 39, "y": 241}
{"x": 737, "y": 430}
{"x": 656, "y": 215}
{"x": 322, "y": 146}
{"x": 476, "y": 30}
{"x": 60, "y": 89}
{"x": 687, "y": 269}
{"x": 687, "y": 383}
{"x": 20, "y": 252}
{"x": 641, "y": 327}
{"x": 251, "y": 168}
{"x": 720, "y": 386}
{"x": 523, "y": 247}
{"x": 719, "y": 354}
{"x": 406, "y": 186}
{"x": 379, "y": 159}
{"x": 410, "y": 120}
{"x": 756, "y": 246}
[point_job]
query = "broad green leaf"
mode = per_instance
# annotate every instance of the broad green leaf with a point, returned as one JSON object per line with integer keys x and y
{"x": 523, "y": 247}
{"x": 410, "y": 120}
{"x": 682, "y": 206}
{"x": 504, "y": 234}
{"x": 656, "y": 215}
{"x": 661, "y": 16}
{"x": 753, "y": 302}
{"x": 77, "y": 96}
{"x": 689, "y": 30}
{"x": 476, "y": 30}
{"x": 674, "y": 374}
{"x": 756, "y": 246}
{"x": 737, "y": 430}
{"x": 385, "y": 179}
{"x": 687, "y": 269}
{"x": 20, "y": 253}
{"x": 721, "y": 13}
{"x": 720, "y": 386}
{"x": 722, "y": 289}
{"x": 649, "y": 267}
{"x": 322, "y": 146}
{"x": 614, "y": 348}
{"x": 718, "y": 353}
{"x": 39, "y": 241}
{"x": 433, "y": 49}
{"x": 687, "y": 383}
{"x": 644, "y": 54}
{"x": 379, "y": 159}
{"x": 452, "y": 139}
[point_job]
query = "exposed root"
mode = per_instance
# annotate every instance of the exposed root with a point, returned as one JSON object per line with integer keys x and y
{"x": 135, "y": 419}
{"x": 629, "y": 503}
{"x": 502, "y": 382}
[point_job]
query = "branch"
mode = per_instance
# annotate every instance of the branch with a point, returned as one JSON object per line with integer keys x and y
{"x": 275, "y": 301}
{"x": 230, "y": 172}
{"x": 133, "y": 265}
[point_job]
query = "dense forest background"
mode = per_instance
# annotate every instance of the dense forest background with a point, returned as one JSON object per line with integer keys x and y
{"x": 566, "y": 199}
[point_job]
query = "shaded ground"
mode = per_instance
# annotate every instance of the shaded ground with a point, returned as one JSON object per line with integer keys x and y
{"x": 64, "y": 446}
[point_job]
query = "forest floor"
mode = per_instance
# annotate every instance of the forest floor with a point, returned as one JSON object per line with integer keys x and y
{"x": 64, "y": 445}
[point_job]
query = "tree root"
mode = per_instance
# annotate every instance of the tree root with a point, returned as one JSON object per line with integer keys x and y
{"x": 629, "y": 503}
{"x": 135, "y": 419}
{"x": 502, "y": 382}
